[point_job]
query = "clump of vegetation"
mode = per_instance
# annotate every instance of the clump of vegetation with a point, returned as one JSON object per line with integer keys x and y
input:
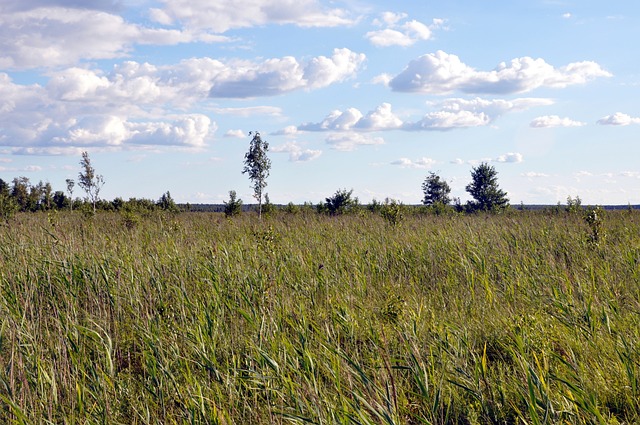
{"x": 8, "y": 207}
{"x": 340, "y": 203}
{"x": 574, "y": 205}
{"x": 392, "y": 211}
{"x": 595, "y": 219}
{"x": 484, "y": 188}
{"x": 436, "y": 191}
{"x": 166, "y": 203}
{"x": 291, "y": 208}
{"x": 130, "y": 218}
{"x": 233, "y": 206}
{"x": 267, "y": 208}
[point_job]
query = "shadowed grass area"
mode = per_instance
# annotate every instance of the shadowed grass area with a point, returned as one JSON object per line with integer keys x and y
{"x": 193, "y": 318}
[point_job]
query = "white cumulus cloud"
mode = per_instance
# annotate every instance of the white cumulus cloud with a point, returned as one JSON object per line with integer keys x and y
{"x": 547, "y": 121}
{"x": 382, "y": 118}
{"x": 618, "y": 119}
{"x": 238, "y": 134}
{"x": 80, "y": 108}
{"x": 463, "y": 113}
{"x": 451, "y": 114}
{"x": 188, "y": 131}
{"x": 533, "y": 175}
{"x": 222, "y": 15}
{"x": 336, "y": 120}
{"x": 289, "y": 131}
{"x": 389, "y": 18}
{"x": 296, "y": 152}
{"x": 80, "y": 105}
{"x": 441, "y": 73}
{"x": 421, "y": 163}
{"x": 76, "y": 83}
{"x": 351, "y": 141}
{"x": 51, "y": 35}
{"x": 447, "y": 120}
{"x": 250, "y": 111}
{"x": 402, "y": 34}
{"x": 282, "y": 75}
{"x": 511, "y": 157}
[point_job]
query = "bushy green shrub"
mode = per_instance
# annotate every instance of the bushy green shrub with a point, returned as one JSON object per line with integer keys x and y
{"x": 340, "y": 203}
{"x": 233, "y": 206}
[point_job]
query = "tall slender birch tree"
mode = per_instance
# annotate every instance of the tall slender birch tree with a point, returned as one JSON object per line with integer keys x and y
{"x": 257, "y": 166}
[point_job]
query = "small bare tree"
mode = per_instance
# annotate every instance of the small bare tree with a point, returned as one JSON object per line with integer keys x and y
{"x": 89, "y": 181}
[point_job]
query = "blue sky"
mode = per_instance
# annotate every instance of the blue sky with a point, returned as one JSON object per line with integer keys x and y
{"x": 357, "y": 94}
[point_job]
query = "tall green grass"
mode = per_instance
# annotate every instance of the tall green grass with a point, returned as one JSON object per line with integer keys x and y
{"x": 305, "y": 319}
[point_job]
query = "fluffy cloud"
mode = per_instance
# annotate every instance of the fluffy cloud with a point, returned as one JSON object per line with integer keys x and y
{"x": 289, "y": 131}
{"x": 129, "y": 85}
{"x": 28, "y": 169}
{"x": 494, "y": 107}
{"x": 278, "y": 76}
{"x": 441, "y": 73}
{"x": 199, "y": 78}
{"x": 71, "y": 113}
{"x": 186, "y": 131}
{"x": 76, "y": 84}
{"x": 447, "y": 120}
{"x": 350, "y": 141}
{"x": 463, "y": 113}
{"x": 336, "y": 120}
{"x": 296, "y": 152}
{"x": 238, "y": 134}
{"x": 511, "y": 157}
{"x": 55, "y": 35}
{"x": 618, "y": 119}
{"x": 533, "y": 175}
{"x": 14, "y": 6}
{"x": 554, "y": 121}
{"x": 94, "y": 130}
{"x": 453, "y": 113}
{"x": 421, "y": 163}
{"x": 222, "y": 15}
{"x": 139, "y": 91}
{"x": 382, "y": 118}
{"x": 134, "y": 103}
{"x": 389, "y": 18}
{"x": 396, "y": 34}
{"x": 250, "y": 111}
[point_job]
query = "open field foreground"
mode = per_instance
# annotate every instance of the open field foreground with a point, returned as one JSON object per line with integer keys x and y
{"x": 193, "y": 318}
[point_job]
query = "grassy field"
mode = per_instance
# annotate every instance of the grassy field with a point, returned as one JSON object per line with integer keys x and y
{"x": 518, "y": 318}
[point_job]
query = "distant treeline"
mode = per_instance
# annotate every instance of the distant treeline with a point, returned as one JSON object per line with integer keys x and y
{"x": 21, "y": 195}
{"x": 208, "y": 208}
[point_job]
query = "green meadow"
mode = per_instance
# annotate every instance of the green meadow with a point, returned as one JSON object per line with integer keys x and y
{"x": 524, "y": 317}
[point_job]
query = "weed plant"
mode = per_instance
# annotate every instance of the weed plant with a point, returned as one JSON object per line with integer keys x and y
{"x": 313, "y": 319}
